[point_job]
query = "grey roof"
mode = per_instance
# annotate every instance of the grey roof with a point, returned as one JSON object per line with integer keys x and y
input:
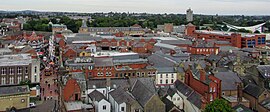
{"x": 213, "y": 58}
{"x": 228, "y": 80}
{"x": 12, "y": 90}
{"x": 183, "y": 88}
{"x": 149, "y": 83}
{"x": 159, "y": 61}
{"x": 121, "y": 96}
{"x": 168, "y": 104}
{"x": 15, "y": 59}
{"x": 241, "y": 108}
{"x": 222, "y": 42}
{"x": 228, "y": 48}
{"x": 129, "y": 61}
{"x": 165, "y": 70}
{"x": 253, "y": 90}
{"x": 266, "y": 103}
{"x": 96, "y": 96}
{"x": 124, "y": 57}
{"x": 141, "y": 93}
{"x": 102, "y": 83}
{"x": 101, "y": 62}
{"x": 264, "y": 70}
{"x": 195, "y": 99}
{"x": 177, "y": 42}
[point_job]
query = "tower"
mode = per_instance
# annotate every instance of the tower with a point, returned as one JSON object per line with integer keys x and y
{"x": 83, "y": 28}
{"x": 189, "y": 15}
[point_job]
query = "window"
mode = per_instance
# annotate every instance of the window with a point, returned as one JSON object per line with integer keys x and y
{"x": 133, "y": 74}
{"x": 143, "y": 74}
{"x": 160, "y": 81}
{"x": 223, "y": 93}
{"x": 116, "y": 75}
{"x": 19, "y": 70}
{"x": 23, "y": 100}
{"x": 107, "y": 73}
{"x": 122, "y": 108}
{"x": 210, "y": 89}
{"x": 138, "y": 74}
{"x": 35, "y": 69}
{"x": 35, "y": 78}
{"x": 167, "y": 75}
{"x": 11, "y": 80}
{"x": 3, "y": 81}
{"x": 104, "y": 107}
{"x": 11, "y": 71}
{"x": 26, "y": 70}
{"x": 166, "y": 81}
{"x": 19, "y": 79}
{"x": 160, "y": 75}
{"x": 154, "y": 73}
{"x": 211, "y": 97}
{"x": 172, "y": 81}
{"x": 214, "y": 89}
{"x": 178, "y": 98}
{"x": 172, "y": 76}
{"x": 3, "y": 71}
{"x": 137, "y": 110}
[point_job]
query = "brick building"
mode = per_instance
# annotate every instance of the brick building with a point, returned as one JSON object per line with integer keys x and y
{"x": 204, "y": 83}
{"x": 236, "y": 39}
{"x": 72, "y": 91}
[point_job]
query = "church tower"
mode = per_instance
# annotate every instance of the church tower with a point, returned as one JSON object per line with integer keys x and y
{"x": 83, "y": 28}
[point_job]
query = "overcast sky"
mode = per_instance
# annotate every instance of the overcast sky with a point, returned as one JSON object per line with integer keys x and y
{"x": 242, "y": 7}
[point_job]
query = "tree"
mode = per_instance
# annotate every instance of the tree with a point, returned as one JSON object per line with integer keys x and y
{"x": 218, "y": 105}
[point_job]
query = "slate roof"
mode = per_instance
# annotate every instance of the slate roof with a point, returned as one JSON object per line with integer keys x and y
{"x": 195, "y": 99}
{"x": 101, "y": 62}
{"x": 168, "y": 104}
{"x": 96, "y": 96}
{"x": 141, "y": 93}
{"x": 183, "y": 88}
{"x": 171, "y": 91}
{"x": 253, "y": 90}
{"x": 266, "y": 103}
{"x": 12, "y": 90}
{"x": 264, "y": 70}
{"x": 159, "y": 61}
{"x": 177, "y": 42}
{"x": 241, "y": 108}
{"x": 165, "y": 69}
{"x": 228, "y": 80}
{"x": 121, "y": 96}
{"x": 102, "y": 83}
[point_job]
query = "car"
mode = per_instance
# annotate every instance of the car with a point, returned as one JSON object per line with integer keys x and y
{"x": 32, "y": 105}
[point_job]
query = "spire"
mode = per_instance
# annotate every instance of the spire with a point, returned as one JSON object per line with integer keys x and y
{"x": 84, "y": 23}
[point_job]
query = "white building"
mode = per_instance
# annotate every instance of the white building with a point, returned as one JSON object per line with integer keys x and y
{"x": 174, "y": 97}
{"x": 165, "y": 76}
{"x": 99, "y": 101}
{"x": 189, "y": 15}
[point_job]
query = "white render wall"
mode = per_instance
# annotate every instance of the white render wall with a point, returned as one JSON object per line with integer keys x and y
{"x": 35, "y": 74}
{"x": 162, "y": 77}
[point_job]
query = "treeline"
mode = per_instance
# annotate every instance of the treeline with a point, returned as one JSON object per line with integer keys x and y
{"x": 146, "y": 21}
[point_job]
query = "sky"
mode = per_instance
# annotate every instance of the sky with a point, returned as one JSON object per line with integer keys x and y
{"x": 212, "y": 7}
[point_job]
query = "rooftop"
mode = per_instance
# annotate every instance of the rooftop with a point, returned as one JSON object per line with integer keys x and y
{"x": 12, "y": 90}
{"x": 15, "y": 59}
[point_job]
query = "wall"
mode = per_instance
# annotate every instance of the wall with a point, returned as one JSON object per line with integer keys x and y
{"x": 171, "y": 76}
{"x": 14, "y": 101}
{"x": 100, "y": 106}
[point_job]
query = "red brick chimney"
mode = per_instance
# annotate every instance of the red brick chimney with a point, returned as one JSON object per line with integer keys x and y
{"x": 202, "y": 75}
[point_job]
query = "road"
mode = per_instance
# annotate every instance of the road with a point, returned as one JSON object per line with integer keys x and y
{"x": 46, "y": 106}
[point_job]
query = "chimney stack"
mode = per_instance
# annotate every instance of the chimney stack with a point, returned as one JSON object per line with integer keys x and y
{"x": 239, "y": 92}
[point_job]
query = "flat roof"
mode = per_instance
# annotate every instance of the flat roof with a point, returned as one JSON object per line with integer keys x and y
{"x": 15, "y": 59}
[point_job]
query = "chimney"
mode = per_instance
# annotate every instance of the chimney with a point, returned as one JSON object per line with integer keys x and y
{"x": 239, "y": 92}
{"x": 108, "y": 82}
{"x": 202, "y": 75}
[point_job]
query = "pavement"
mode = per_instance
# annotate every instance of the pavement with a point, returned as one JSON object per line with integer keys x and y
{"x": 48, "y": 86}
{"x": 46, "y": 106}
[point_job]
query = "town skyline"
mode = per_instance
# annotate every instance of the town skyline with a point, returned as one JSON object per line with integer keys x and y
{"x": 206, "y": 7}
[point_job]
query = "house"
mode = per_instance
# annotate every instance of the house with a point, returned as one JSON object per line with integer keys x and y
{"x": 192, "y": 101}
{"x": 205, "y": 83}
{"x": 103, "y": 67}
{"x": 170, "y": 107}
{"x": 148, "y": 99}
{"x": 165, "y": 76}
{"x": 72, "y": 91}
{"x": 171, "y": 94}
{"x": 264, "y": 106}
{"x": 122, "y": 101}
{"x": 101, "y": 104}
{"x": 241, "y": 108}
{"x": 255, "y": 95}
{"x": 77, "y": 106}
{"x": 17, "y": 97}
{"x": 231, "y": 87}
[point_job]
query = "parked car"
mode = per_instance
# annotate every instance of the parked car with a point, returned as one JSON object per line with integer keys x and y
{"x": 32, "y": 105}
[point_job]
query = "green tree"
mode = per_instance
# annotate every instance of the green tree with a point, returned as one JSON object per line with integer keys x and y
{"x": 218, "y": 105}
